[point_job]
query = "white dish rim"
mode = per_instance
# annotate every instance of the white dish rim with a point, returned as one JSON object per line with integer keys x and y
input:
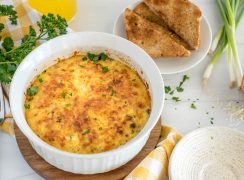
{"x": 33, "y": 137}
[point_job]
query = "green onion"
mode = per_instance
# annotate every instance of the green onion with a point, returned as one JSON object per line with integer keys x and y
{"x": 232, "y": 11}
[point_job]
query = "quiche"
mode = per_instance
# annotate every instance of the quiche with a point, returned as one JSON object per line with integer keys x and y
{"x": 88, "y": 103}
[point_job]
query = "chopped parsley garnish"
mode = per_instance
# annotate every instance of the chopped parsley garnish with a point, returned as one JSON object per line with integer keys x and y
{"x": 67, "y": 105}
{"x": 27, "y": 106}
{"x": 32, "y": 90}
{"x": 87, "y": 131}
{"x": 103, "y": 56}
{"x": 81, "y": 66}
{"x": 133, "y": 80}
{"x": 172, "y": 92}
{"x": 90, "y": 56}
{"x": 211, "y": 120}
{"x": 84, "y": 58}
{"x": 63, "y": 94}
{"x": 185, "y": 77}
{"x": 167, "y": 89}
{"x": 113, "y": 92}
{"x": 176, "y": 99}
{"x": 96, "y": 57}
{"x": 193, "y": 106}
{"x": 40, "y": 80}
{"x": 105, "y": 69}
{"x": 179, "y": 88}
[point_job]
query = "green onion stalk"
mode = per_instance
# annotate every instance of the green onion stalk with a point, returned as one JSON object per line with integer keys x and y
{"x": 232, "y": 12}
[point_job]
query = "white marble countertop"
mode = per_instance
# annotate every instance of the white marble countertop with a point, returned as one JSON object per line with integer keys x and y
{"x": 99, "y": 15}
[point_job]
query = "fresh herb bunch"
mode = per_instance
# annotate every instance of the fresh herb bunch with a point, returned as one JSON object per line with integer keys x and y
{"x": 50, "y": 26}
{"x": 8, "y": 10}
{"x": 232, "y": 12}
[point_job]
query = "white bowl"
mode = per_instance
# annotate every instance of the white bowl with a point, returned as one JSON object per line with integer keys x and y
{"x": 209, "y": 153}
{"x": 172, "y": 65}
{"x": 63, "y": 46}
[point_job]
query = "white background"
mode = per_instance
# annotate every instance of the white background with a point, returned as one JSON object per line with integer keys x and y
{"x": 99, "y": 15}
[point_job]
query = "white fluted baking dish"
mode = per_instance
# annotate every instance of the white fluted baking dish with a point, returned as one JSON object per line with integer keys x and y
{"x": 61, "y": 47}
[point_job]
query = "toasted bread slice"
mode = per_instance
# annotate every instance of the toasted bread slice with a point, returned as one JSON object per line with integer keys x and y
{"x": 182, "y": 16}
{"x": 154, "y": 39}
{"x": 143, "y": 10}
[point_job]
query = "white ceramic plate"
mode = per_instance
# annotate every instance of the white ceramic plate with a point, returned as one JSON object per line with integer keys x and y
{"x": 209, "y": 153}
{"x": 175, "y": 64}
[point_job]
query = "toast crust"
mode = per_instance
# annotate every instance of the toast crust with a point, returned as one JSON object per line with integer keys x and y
{"x": 182, "y": 16}
{"x": 143, "y": 10}
{"x": 153, "y": 38}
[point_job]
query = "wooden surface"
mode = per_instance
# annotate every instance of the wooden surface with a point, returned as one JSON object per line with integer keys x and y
{"x": 48, "y": 171}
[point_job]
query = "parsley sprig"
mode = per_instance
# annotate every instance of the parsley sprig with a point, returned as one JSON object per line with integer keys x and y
{"x": 180, "y": 88}
{"x": 8, "y": 10}
{"x": 49, "y": 26}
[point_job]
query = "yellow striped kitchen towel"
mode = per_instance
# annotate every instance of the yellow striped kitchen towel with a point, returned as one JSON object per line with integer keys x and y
{"x": 155, "y": 165}
{"x": 26, "y": 17}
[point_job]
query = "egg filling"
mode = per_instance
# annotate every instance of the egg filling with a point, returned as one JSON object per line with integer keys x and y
{"x": 88, "y": 103}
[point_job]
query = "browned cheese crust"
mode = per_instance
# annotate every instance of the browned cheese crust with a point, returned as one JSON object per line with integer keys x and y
{"x": 86, "y": 107}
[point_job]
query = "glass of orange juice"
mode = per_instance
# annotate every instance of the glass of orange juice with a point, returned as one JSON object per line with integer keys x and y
{"x": 65, "y": 8}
